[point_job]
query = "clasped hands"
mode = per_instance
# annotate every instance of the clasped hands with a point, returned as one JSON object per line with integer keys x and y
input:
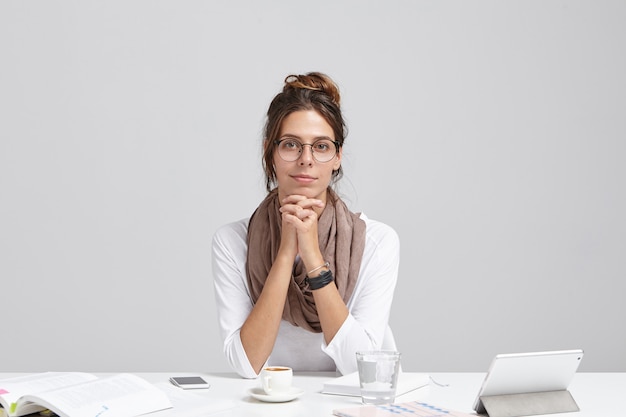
{"x": 299, "y": 226}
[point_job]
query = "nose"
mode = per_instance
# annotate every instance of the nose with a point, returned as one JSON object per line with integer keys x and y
{"x": 306, "y": 157}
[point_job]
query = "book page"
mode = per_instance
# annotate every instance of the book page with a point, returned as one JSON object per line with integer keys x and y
{"x": 11, "y": 389}
{"x": 123, "y": 395}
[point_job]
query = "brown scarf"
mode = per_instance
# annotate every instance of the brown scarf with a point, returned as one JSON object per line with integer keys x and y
{"x": 341, "y": 235}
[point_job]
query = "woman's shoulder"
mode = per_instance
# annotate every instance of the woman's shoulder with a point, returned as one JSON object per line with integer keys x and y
{"x": 234, "y": 231}
{"x": 379, "y": 231}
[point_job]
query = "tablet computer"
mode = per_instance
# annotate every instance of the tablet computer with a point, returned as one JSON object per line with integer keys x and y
{"x": 521, "y": 373}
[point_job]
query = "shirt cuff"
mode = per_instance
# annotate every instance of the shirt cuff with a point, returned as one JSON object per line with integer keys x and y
{"x": 336, "y": 349}
{"x": 240, "y": 361}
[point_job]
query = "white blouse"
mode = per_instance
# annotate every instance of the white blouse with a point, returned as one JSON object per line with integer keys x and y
{"x": 365, "y": 328}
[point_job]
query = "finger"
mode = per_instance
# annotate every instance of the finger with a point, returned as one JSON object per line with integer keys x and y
{"x": 290, "y": 208}
{"x": 300, "y": 215}
{"x": 306, "y": 214}
{"x": 293, "y": 199}
{"x": 297, "y": 210}
{"x": 302, "y": 201}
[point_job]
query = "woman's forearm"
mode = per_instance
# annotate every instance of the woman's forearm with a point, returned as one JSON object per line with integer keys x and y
{"x": 331, "y": 310}
{"x": 259, "y": 331}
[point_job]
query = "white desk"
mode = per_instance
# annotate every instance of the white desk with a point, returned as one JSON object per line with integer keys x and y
{"x": 597, "y": 394}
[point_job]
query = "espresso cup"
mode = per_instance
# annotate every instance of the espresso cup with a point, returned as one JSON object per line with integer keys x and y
{"x": 276, "y": 380}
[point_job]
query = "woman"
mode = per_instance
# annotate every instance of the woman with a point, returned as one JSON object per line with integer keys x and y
{"x": 304, "y": 282}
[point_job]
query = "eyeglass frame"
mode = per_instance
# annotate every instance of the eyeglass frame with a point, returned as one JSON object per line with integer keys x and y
{"x": 277, "y": 142}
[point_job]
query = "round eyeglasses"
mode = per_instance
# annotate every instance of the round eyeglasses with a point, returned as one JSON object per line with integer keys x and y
{"x": 323, "y": 150}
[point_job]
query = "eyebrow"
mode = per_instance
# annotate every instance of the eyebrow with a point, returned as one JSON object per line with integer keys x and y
{"x": 315, "y": 139}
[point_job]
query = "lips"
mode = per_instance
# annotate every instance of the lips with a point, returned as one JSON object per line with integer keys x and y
{"x": 303, "y": 178}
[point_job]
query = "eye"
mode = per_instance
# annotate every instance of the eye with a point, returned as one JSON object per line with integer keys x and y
{"x": 322, "y": 145}
{"x": 290, "y": 144}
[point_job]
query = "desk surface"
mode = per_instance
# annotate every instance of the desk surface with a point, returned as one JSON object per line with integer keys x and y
{"x": 597, "y": 394}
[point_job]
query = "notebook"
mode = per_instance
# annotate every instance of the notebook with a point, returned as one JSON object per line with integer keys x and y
{"x": 406, "y": 409}
{"x": 519, "y": 373}
{"x": 349, "y": 384}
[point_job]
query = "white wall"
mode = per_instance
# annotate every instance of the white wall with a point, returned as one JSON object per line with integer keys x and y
{"x": 489, "y": 134}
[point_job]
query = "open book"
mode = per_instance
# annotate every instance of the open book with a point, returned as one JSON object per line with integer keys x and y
{"x": 349, "y": 384}
{"x": 78, "y": 394}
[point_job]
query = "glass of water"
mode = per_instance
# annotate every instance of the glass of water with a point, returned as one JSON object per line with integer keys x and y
{"x": 378, "y": 375}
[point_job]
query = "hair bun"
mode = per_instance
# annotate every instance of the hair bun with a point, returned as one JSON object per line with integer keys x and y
{"x": 314, "y": 81}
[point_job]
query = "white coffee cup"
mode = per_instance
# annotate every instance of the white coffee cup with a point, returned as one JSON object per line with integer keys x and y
{"x": 276, "y": 380}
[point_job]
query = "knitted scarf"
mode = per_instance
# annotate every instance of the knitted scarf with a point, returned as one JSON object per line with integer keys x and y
{"x": 341, "y": 236}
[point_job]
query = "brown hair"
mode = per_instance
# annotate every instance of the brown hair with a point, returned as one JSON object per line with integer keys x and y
{"x": 312, "y": 91}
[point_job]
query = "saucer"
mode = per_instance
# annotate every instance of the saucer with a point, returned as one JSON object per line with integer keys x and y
{"x": 260, "y": 395}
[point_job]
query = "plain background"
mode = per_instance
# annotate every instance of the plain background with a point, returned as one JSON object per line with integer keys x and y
{"x": 489, "y": 134}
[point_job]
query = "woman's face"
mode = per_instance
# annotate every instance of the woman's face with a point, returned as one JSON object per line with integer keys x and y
{"x": 305, "y": 176}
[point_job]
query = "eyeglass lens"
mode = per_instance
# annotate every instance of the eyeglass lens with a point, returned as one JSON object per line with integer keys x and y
{"x": 323, "y": 149}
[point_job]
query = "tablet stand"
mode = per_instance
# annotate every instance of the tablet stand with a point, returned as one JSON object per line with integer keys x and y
{"x": 529, "y": 404}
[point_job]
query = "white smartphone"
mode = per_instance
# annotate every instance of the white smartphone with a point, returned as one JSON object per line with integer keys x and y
{"x": 189, "y": 382}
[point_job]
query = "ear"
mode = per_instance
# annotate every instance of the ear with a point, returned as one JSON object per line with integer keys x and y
{"x": 337, "y": 162}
